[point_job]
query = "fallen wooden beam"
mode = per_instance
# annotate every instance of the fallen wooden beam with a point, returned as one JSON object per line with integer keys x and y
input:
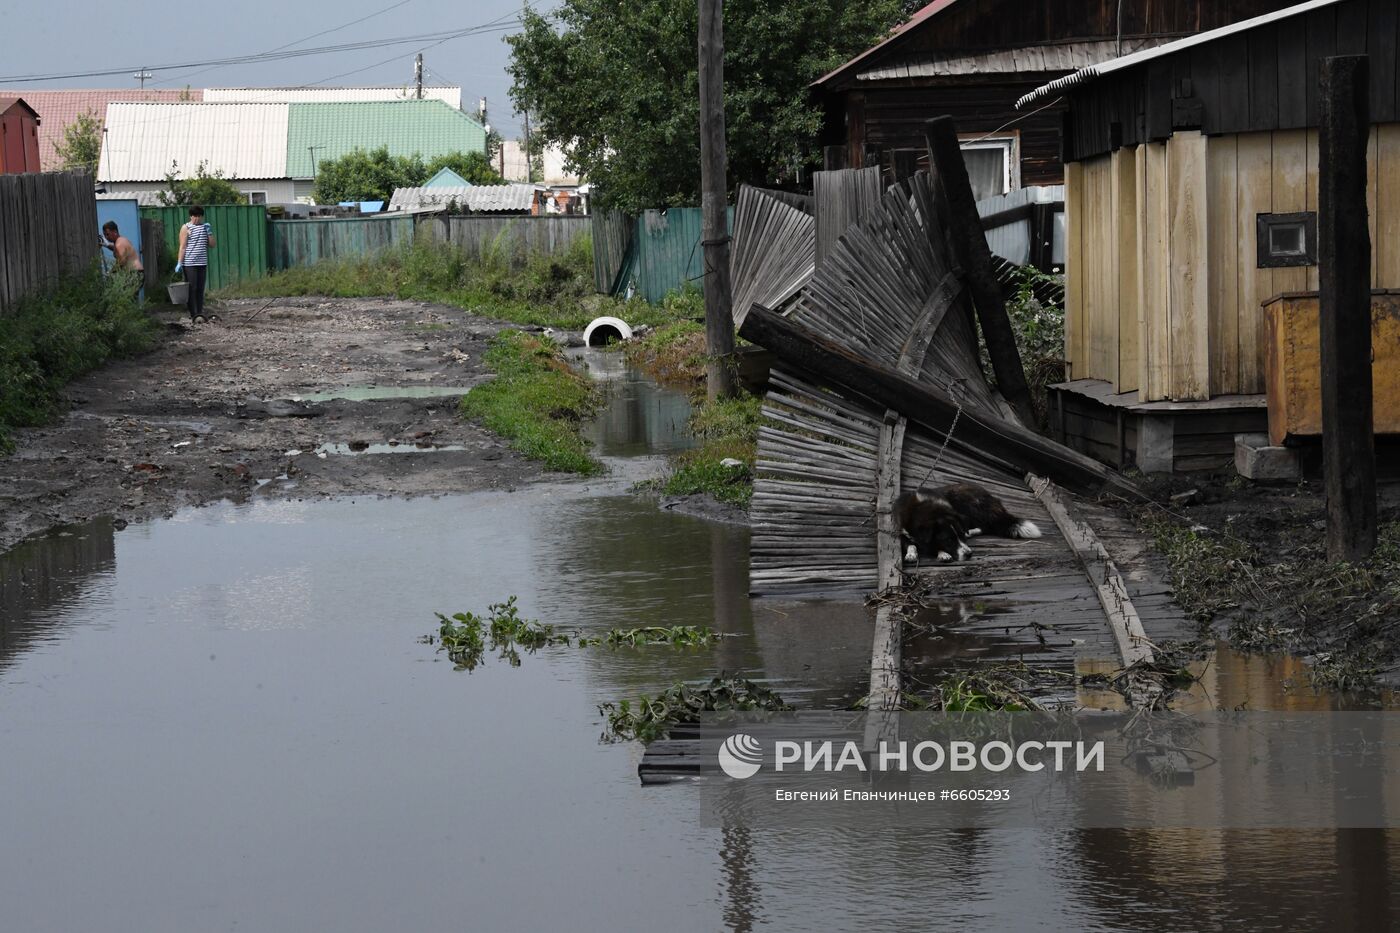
{"x": 1108, "y": 584}
{"x": 926, "y": 405}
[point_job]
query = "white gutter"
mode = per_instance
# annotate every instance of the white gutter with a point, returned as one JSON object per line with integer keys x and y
{"x": 1085, "y": 75}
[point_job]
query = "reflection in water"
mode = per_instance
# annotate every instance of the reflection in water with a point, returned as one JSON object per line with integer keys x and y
{"x": 638, "y": 420}
{"x": 241, "y": 728}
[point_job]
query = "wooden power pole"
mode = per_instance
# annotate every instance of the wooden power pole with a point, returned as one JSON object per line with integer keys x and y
{"x": 719, "y": 298}
{"x": 1344, "y": 268}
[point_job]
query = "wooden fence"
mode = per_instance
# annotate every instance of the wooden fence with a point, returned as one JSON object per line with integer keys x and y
{"x": 514, "y": 237}
{"x": 48, "y": 228}
{"x": 307, "y": 242}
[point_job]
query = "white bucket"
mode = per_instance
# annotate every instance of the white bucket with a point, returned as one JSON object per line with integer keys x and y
{"x": 179, "y": 292}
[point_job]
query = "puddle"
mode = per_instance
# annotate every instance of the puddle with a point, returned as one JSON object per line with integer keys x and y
{"x": 227, "y": 719}
{"x": 412, "y": 447}
{"x": 378, "y": 393}
{"x": 640, "y": 418}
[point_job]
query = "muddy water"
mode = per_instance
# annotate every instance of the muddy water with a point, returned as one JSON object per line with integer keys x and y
{"x": 227, "y": 721}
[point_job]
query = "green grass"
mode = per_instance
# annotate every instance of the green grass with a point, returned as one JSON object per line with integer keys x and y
{"x": 727, "y": 428}
{"x": 548, "y": 290}
{"x": 536, "y": 401}
{"x": 673, "y": 353}
{"x": 56, "y": 335}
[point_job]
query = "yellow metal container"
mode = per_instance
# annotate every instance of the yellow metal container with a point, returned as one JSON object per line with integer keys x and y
{"x": 1293, "y": 364}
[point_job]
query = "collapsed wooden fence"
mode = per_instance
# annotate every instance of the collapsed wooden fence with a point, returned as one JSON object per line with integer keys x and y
{"x": 48, "y": 229}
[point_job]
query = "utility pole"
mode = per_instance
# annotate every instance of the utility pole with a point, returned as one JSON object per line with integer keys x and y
{"x": 529, "y": 155}
{"x": 719, "y": 298}
{"x": 314, "y": 167}
{"x": 1344, "y": 310}
{"x": 418, "y": 75}
{"x": 143, "y": 76}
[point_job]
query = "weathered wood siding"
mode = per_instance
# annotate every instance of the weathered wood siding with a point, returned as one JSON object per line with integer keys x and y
{"x": 48, "y": 229}
{"x": 305, "y": 242}
{"x": 1163, "y": 292}
{"x": 1264, "y": 79}
{"x": 513, "y": 238}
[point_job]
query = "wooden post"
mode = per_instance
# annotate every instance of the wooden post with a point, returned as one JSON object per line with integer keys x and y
{"x": 970, "y": 248}
{"x": 719, "y": 298}
{"x": 1344, "y": 267}
{"x": 833, "y": 158}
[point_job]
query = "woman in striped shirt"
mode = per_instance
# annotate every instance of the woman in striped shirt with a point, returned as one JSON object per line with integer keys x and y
{"x": 196, "y": 240}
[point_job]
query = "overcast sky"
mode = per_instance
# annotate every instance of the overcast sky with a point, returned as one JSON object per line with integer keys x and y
{"x": 66, "y": 36}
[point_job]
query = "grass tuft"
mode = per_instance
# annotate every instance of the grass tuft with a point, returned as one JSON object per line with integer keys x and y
{"x": 727, "y": 429}
{"x": 55, "y": 335}
{"x": 536, "y": 401}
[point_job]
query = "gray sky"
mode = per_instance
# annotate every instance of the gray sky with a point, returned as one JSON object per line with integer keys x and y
{"x": 53, "y": 36}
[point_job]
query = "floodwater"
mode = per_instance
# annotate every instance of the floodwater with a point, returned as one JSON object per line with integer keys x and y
{"x": 380, "y": 393}
{"x": 228, "y": 721}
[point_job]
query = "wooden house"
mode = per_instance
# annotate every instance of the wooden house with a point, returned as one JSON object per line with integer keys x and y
{"x": 1192, "y": 194}
{"x": 973, "y": 59}
{"x": 19, "y": 136}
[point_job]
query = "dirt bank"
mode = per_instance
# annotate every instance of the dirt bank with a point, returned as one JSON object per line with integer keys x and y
{"x": 210, "y": 415}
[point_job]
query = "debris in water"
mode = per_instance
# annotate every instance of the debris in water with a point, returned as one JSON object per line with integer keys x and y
{"x": 650, "y": 718}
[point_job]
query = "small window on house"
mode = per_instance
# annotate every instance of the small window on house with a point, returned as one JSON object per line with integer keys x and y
{"x": 1287, "y": 240}
{"x": 256, "y": 197}
{"x": 993, "y": 165}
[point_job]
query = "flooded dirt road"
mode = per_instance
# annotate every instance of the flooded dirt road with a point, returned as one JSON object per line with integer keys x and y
{"x": 217, "y": 410}
{"x": 227, "y": 720}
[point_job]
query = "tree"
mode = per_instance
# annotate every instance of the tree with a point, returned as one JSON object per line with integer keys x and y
{"x": 473, "y": 166}
{"x": 367, "y": 175}
{"x": 615, "y": 84}
{"x": 204, "y": 187}
{"x": 372, "y": 175}
{"x": 82, "y": 144}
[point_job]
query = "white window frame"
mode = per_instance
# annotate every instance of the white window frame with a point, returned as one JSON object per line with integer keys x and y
{"x": 1010, "y": 144}
{"x": 249, "y": 196}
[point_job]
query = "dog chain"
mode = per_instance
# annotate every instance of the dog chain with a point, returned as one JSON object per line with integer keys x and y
{"x": 946, "y": 438}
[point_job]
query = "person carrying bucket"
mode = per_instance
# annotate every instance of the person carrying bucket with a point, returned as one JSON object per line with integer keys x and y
{"x": 196, "y": 240}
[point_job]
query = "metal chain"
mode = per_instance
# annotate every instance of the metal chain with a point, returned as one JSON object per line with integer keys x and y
{"x": 946, "y": 438}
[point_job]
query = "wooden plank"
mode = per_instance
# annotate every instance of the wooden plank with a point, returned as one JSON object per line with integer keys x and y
{"x": 1311, "y": 183}
{"x": 1253, "y": 196}
{"x": 1290, "y": 194}
{"x": 1222, "y": 204}
{"x": 1190, "y": 258}
{"x": 1373, "y": 184}
{"x": 1125, "y": 249}
{"x": 1101, "y": 290}
{"x": 1263, "y": 78}
{"x": 1154, "y": 344}
{"x": 1388, "y": 205}
{"x": 1076, "y": 367}
{"x": 1381, "y": 35}
{"x": 1292, "y": 73}
{"x": 1128, "y": 633}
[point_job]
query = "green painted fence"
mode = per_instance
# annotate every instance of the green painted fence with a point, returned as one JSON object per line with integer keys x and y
{"x": 664, "y": 253}
{"x": 240, "y": 232}
{"x": 306, "y": 242}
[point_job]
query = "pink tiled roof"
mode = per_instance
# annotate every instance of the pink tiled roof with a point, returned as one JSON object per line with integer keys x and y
{"x": 58, "y": 109}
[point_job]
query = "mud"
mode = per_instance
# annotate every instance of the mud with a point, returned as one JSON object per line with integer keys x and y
{"x": 240, "y": 408}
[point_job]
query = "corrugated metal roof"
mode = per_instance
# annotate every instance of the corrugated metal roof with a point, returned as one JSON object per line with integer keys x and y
{"x": 1060, "y": 56}
{"x": 452, "y": 96}
{"x": 426, "y": 127}
{"x": 1085, "y": 75}
{"x": 60, "y": 109}
{"x": 242, "y": 140}
{"x": 143, "y": 198}
{"x": 482, "y": 199}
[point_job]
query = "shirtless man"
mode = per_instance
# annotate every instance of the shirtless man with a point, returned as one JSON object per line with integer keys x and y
{"x": 122, "y": 249}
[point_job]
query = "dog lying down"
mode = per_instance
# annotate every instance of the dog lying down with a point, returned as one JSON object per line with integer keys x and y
{"x": 939, "y": 521}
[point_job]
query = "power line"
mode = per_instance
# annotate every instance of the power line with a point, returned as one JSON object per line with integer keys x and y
{"x": 501, "y": 24}
{"x": 315, "y": 35}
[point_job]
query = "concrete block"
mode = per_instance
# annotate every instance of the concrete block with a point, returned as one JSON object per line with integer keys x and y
{"x": 1255, "y": 459}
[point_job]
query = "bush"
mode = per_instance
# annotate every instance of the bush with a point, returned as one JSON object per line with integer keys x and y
{"x": 55, "y": 335}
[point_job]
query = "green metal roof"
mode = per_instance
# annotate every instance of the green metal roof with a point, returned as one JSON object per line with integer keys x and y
{"x": 426, "y": 127}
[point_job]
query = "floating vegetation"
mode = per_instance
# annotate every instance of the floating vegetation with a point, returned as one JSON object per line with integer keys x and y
{"x": 464, "y": 635}
{"x": 685, "y": 636}
{"x": 647, "y": 719}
